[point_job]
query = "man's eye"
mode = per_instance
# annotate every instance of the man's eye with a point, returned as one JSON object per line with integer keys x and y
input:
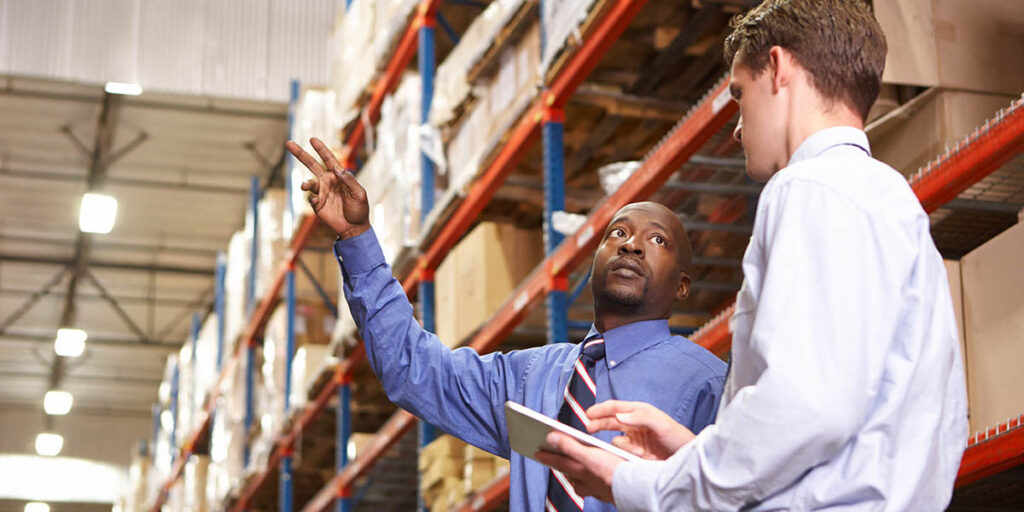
{"x": 658, "y": 239}
{"x": 617, "y": 232}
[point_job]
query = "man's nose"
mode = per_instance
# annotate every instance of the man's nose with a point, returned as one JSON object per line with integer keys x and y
{"x": 629, "y": 246}
{"x": 738, "y": 132}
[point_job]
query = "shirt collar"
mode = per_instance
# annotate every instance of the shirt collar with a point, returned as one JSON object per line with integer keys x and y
{"x": 823, "y": 140}
{"x": 622, "y": 342}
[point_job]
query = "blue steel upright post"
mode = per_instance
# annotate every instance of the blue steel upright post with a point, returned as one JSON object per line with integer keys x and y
{"x": 343, "y": 434}
{"x": 285, "y": 487}
{"x": 250, "y": 304}
{"x": 427, "y": 63}
{"x": 218, "y": 305}
{"x": 554, "y": 200}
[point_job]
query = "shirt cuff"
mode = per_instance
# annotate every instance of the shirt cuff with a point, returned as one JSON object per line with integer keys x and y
{"x": 633, "y": 485}
{"x": 360, "y": 253}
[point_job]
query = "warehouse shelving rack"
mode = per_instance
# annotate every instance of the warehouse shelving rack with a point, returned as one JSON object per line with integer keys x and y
{"x": 550, "y": 278}
{"x": 971, "y": 160}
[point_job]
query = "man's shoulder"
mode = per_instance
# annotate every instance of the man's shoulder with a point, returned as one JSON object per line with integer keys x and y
{"x": 689, "y": 356}
{"x": 862, "y": 183}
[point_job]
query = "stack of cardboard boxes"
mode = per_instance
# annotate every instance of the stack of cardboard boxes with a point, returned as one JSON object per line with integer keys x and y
{"x": 960, "y": 48}
{"x": 986, "y": 286}
{"x": 479, "y": 275}
{"x": 451, "y": 471}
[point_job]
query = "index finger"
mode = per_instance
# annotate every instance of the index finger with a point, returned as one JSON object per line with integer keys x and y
{"x": 325, "y": 154}
{"x": 610, "y": 408}
{"x": 305, "y": 158}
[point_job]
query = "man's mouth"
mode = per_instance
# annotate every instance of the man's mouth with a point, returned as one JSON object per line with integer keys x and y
{"x": 627, "y": 268}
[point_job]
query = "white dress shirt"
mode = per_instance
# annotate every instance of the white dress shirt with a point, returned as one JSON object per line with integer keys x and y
{"x": 846, "y": 390}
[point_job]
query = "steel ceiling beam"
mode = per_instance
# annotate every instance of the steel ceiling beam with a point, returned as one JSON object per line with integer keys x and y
{"x": 125, "y": 182}
{"x": 114, "y": 265}
{"x": 36, "y": 337}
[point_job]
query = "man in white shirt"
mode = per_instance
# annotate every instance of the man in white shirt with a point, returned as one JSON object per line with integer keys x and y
{"x": 846, "y": 390}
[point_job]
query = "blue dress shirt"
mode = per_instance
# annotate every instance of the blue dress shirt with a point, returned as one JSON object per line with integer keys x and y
{"x": 464, "y": 393}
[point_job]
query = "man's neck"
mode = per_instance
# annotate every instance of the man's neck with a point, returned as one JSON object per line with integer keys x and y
{"x": 808, "y": 114}
{"x": 606, "y": 321}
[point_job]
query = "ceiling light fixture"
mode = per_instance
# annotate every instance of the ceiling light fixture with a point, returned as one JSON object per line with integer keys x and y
{"x": 70, "y": 342}
{"x": 49, "y": 444}
{"x": 57, "y": 402}
{"x": 97, "y": 214}
{"x": 36, "y": 506}
{"x": 123, "y": 88}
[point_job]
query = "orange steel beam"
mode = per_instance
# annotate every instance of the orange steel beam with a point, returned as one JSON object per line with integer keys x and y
{"x": 970, "y": 160}
{"x": 605, "y": 33}
{"x": 388, "y": 435}
{"x": 252, "y": 333}
{"x": 286, "y": 440}
{"x": 488, "y": 497}
{"x": 976, "y": 156}
{"x": 997, "y": 449}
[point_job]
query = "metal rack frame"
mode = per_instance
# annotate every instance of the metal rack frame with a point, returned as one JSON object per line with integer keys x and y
{"x": 939, "y": 182}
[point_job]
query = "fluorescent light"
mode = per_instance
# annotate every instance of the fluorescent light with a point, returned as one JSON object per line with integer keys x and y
{"x": 49, "y": 444}
{"x": 57, "y": 403}
{"x": 36, "y": 506}
{"x": 123, "y": 88}
{"x": 70, "y": 342}
{"x": 97, "y": 213}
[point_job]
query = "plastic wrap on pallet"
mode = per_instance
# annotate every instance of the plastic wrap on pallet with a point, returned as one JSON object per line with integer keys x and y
{"x": 561, "y": 18}
{"x": 316, "y": 115}
{"x": 307, "y": 364}
{"x": 613, "y": 175}
{"x": 136, "y": 495}
{"x": 392, "y": 174}
{"x": 272, "y": 243}
{"x": 194, "y": 490}
{"x": 235, "y": 285}
{"x": 271, "y": 401}
{"x": 391, "y": 19}
{"x": 206, "y": 359}
{"x": 227, "y": 435}
{"x": 217, "y": 484}
{"x": 503, "y": 97}
{"x": 350, "y": 70}
{"x": 186, "y": 393}
{"x": 451, "y": 87}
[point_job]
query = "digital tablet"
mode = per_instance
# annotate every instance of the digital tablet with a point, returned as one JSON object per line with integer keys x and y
{"x": 528, "y": 431}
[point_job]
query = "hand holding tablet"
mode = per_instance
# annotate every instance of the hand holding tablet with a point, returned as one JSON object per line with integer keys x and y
{"x": 528, "y": 430}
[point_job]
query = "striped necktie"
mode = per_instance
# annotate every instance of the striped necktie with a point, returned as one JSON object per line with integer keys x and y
{"x": 580, "y": 394}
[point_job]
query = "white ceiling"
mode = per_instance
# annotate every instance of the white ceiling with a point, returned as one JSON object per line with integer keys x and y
{"x": 182, "y": 191}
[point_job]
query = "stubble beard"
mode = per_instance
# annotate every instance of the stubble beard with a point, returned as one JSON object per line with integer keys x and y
{"x": 627, "y": 299}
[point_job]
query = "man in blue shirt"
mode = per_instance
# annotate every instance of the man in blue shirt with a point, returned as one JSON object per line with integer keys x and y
{"x": 638, "y": 272}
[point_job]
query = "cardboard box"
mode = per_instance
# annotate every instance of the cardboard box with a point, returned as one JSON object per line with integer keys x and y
{"x": 932, "y": 124}
{"x": 480, "y": 274}
{"x": 450, "y": 496}
{"x": 993, "y": 292}
{"x": 971, "y": 45}
{"x": 444, "y": 446}
{"x": 438, "y": 491}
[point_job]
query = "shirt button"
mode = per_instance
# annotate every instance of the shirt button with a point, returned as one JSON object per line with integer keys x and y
{"x": 611, "y": 363}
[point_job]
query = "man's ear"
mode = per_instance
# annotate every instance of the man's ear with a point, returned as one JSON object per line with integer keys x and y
{"x": 780, "y": 64}
{"x": 683, "y": 291}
